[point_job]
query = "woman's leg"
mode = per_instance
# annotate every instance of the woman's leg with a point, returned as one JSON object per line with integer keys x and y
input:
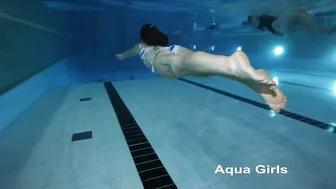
{"x": 184, "y": 52}
{"x": 236, "y": 67}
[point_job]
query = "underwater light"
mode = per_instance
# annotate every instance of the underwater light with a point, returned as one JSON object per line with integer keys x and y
{"x": 194, "y": 47}
{"x": 272, "y": 113}
{"x": 278, "y": 50}
{"x": 276, "y": 80}
{"x": 334, "y": 88}
{"x": 331, "y": 129}
{"x": 213, "y": 47}
{"x": 239, "y": 49}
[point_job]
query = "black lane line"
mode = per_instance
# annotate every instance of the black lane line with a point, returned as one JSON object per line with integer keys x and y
{"x": 302, "y": 73}
{"x": 289, "y": 114}
{"x": 307, "y": 86}
{"x": 152, "y": 173}
{"x": 302, "y": 85}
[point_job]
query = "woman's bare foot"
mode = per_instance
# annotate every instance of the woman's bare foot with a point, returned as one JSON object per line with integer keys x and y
{"x": 258, "y": 80}
{"x": 274, "y": 98}
{"x": 243, "y": 70}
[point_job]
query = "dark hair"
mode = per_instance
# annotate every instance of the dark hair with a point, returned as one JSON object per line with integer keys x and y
{"x": 152, "y": 36}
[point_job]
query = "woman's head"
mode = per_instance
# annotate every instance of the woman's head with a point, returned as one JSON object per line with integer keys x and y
{"x": 152, "y": 36}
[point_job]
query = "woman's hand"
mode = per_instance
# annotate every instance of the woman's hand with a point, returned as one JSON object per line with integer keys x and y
{"x": 120, "y": 56}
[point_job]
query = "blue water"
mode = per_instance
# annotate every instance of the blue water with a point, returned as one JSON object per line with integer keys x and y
{"x": 193, "y": 124}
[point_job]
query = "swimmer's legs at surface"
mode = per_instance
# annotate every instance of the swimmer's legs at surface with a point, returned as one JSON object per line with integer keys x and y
{"x": 236, "y": 67}
{"x": 296, "y": 21}
{"x": 311, "y": 26}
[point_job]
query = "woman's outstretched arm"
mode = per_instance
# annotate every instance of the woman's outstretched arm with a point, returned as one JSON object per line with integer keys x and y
{"x": 130, "y": 52}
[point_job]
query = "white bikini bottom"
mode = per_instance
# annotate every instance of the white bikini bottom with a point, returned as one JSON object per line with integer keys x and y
{"x": 172, "y": 48}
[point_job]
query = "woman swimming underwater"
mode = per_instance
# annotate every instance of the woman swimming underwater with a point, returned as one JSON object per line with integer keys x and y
{"x": 176, "y": 62}
{"x": 289, "y": 23}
